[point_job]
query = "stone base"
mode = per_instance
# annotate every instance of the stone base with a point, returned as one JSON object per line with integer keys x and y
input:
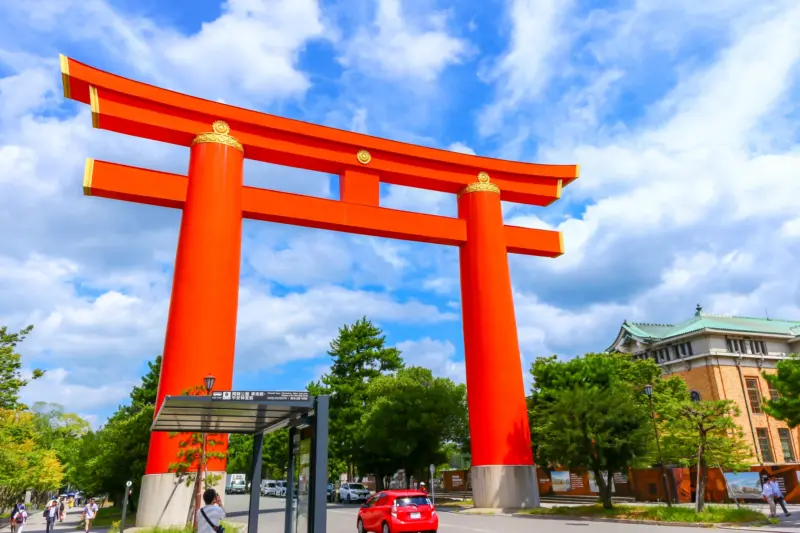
{"x": 164, "y": 501}
{"x": 505, "y": 487}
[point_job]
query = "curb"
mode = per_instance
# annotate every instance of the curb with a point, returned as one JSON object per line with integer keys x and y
{"x": 616, "y": 520}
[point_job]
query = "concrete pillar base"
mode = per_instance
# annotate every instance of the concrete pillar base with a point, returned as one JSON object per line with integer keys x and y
{"x": 505, "y": 487}
{"x": 164, "y": 500}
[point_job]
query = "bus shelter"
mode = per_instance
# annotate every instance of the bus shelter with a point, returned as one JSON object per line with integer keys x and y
{"x": 258, "y": 413}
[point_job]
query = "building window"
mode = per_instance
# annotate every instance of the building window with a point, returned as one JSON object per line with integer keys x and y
{"x": 765, "y": 445}
{"x": 695, "y": 396}
{"x": 689, "y": 348}
{"x": 736, "y": 346}
{"x": 786, "y": 444}
{"x": 758, "y": 347}
{"x": 773, "y": 392}
{"x": 754, "y": 394}
{"x": 683, "y": 349}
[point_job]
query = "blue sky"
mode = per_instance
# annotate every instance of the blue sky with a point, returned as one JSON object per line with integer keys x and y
{"x": 682, "y": 116}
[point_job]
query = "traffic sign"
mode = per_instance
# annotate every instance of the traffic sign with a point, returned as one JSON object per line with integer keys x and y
{"x": 432, "y": 468}
{"x": 262, "y": 396}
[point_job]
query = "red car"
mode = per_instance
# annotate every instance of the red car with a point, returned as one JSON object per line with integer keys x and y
{"x": 398, "y": 511}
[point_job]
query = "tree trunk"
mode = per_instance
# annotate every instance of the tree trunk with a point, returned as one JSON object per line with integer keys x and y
{"x": 378, "y": 482}
{"x": 701, "y": 481}
{"x": 604, "y": 489}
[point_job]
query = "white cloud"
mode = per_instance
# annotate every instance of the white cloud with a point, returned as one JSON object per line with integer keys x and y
{"x": 57, "y": 386}
{"x": 250, "y": 52}
{"x": 461, "y": 148}
{"x": 437, "y": 355}
{"x": 403, "y": 47}
{"x": 274, "y": 330}
{"x": 525, "y": 68}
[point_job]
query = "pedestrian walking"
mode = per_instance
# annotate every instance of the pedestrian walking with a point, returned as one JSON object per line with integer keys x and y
{"x": 62, "y": 510}
{"x": 89, "y": 514}
{"x": 13, "y": 516}
{"x": 778, "y": 495}
{"x": 51, "y": 515}
{"x": 768, "y": 496}
{"x": 20, "y": 519}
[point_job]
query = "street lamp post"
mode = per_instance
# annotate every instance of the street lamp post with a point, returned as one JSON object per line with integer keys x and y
{"x": 201, "y": 466}
{"x": 648, "y": 389}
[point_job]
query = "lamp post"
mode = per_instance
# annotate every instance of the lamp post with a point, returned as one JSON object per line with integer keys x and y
{"x": 208, "y": 381}
{"x": 648, "y": 389}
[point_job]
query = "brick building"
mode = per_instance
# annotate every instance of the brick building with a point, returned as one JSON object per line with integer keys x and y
{"x": 722, "y": 358}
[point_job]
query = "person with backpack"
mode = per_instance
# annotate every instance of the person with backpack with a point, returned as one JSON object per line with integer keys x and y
{"x": 61, "y": 510}
{"x": 20, "y": 519}
{"x": 12, "y": 522}
{"x": 209, "y": 518}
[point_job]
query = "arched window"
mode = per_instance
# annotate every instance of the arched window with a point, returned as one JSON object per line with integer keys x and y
{"x": 695, "y": 396}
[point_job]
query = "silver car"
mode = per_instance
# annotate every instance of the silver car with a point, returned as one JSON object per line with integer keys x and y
{"x": 353, "y": 492}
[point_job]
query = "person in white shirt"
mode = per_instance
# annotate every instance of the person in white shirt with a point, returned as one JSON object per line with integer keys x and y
{"x": 768, "y": 495}
{"x": 21, "y": 518}
{"x": 51, "y": 515}
{"x": 89, "y": 514}
{"x": 778, "y": 495}
{"x": 210, "y": 516}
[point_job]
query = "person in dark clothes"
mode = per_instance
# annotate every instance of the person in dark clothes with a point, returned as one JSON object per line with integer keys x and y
{"x": 51, "y": 515}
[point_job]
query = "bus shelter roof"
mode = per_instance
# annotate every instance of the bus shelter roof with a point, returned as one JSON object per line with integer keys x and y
{"x": 245, "y": 412}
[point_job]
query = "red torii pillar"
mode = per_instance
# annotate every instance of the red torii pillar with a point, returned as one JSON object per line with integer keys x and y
{"x": 201, "y": 326}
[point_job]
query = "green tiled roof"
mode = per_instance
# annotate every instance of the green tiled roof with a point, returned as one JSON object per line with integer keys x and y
{"x": 700, "y": 321}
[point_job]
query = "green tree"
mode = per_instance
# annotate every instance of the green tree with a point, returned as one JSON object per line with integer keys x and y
{"x": 786, "y": 382}
{"x": 411, "y": 416}
{"x": 590, "y": 413}
{"x": 11, "y": 380}
{"x": 699, "y": 433}
{"x": 61, "y": 432}
{"x": 359, "y": 354}
{"x": 275, "y": 454}
{"x": 24, "y": 464}
{"x": 240, "y": 454}
{"x": 117, "y": 452}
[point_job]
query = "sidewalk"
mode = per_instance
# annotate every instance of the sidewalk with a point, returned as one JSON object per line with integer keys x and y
{"x": 37, "y": 523}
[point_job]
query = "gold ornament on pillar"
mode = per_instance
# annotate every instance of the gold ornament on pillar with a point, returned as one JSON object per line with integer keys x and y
{"x": 482, "y": 185}
{"x": 363, "y": 157}
{"x": 220, "y": 135}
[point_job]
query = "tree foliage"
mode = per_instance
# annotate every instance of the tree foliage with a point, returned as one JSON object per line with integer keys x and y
{"x": 274, "y": 455}
{"x": 590, "y": 413}
{"x": 24, "y": 463}
{"x": 410, "y": 415}
{"x": 702, "y": 433}
{"x": 117, "y": 452}
{"x": 359, "y": 354}
{"x": 786, "y": 382}
{"x": 11, "y": 380}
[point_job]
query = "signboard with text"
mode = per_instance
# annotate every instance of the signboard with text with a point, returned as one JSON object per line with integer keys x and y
{"x": 262, "y": 396}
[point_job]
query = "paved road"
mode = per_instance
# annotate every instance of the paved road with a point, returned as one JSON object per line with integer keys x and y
{"x": 342, "y": 519}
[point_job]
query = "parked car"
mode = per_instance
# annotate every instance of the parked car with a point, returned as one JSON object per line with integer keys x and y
{"x": 353, "y": 492}
{"x": 281, "y": 486}
{"x": 269, "y": 488}
{"x": 398, "y": 511}
{"x": 238, "y": 486}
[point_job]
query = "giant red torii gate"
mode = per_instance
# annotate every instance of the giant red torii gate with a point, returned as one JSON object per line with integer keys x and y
{"x": 201, "y": 327}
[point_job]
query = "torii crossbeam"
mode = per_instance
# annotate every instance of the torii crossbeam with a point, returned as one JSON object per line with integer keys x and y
{"x": 201, "y": 327}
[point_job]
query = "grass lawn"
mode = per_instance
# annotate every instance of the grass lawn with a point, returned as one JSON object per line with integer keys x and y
{"x": 108, "y": 515}
{"x": 454, "y": 503}
{"x": 711, "y": 514}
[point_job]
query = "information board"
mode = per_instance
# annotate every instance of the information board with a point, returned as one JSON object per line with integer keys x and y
{"x": 262, "y": 396}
